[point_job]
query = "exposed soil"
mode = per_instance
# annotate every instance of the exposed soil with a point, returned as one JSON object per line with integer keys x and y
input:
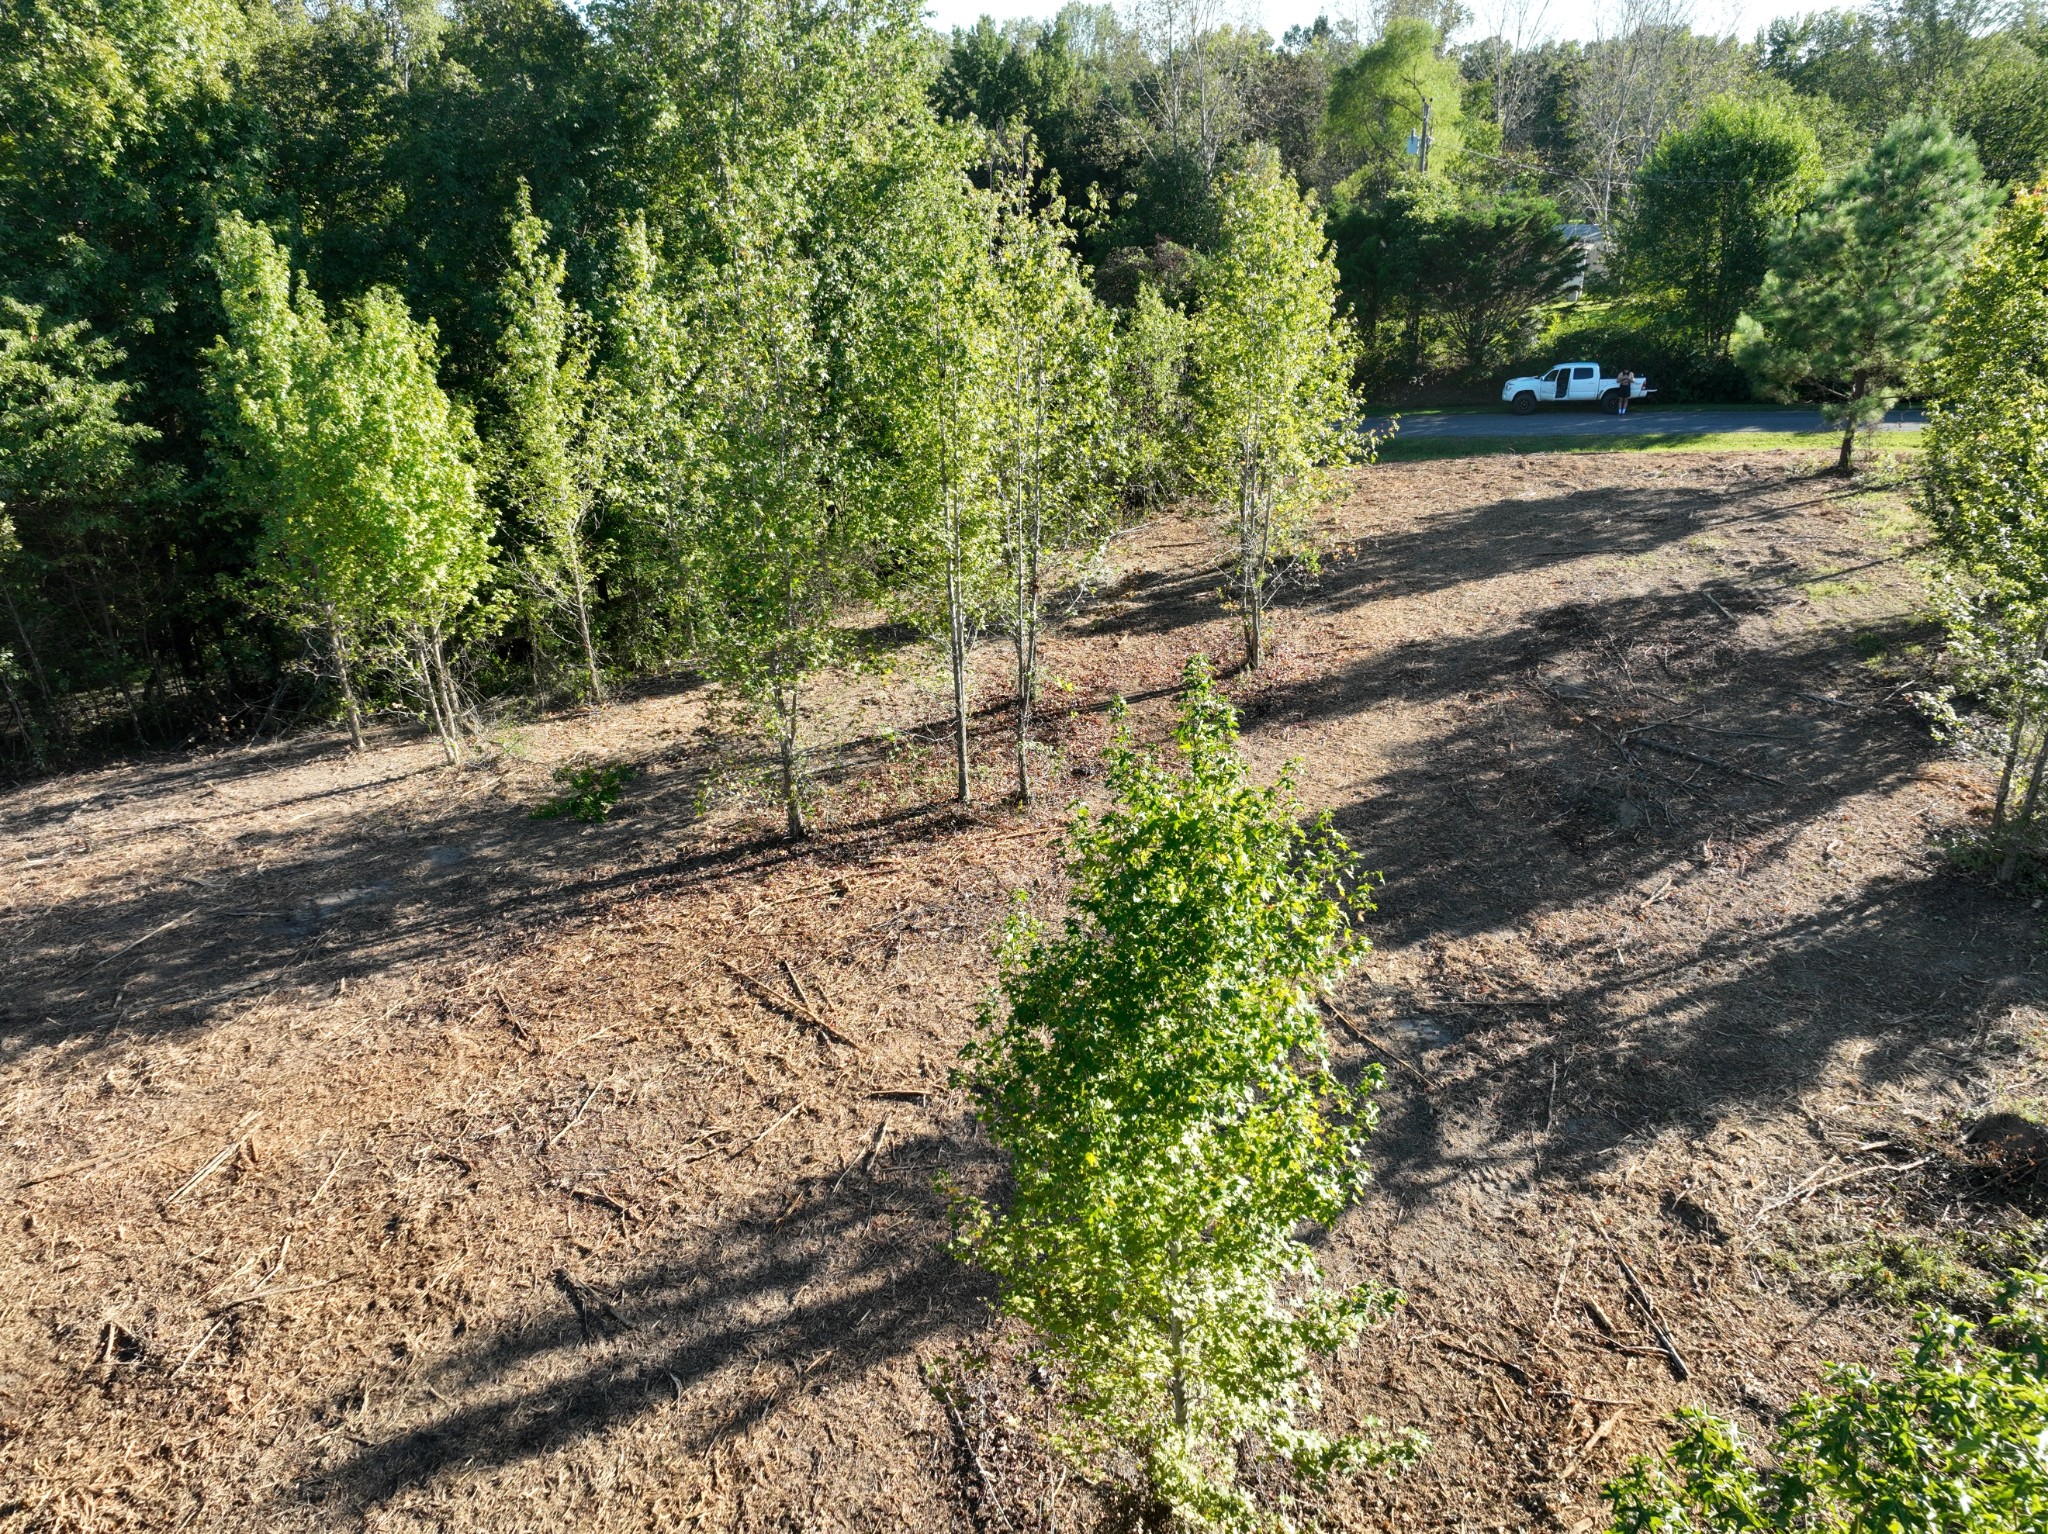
{"x": 379, "y": 1157}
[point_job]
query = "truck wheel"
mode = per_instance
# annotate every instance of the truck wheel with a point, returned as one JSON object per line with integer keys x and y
{"x": 1524, "y": 403}
{"x": 1611, "y": 402}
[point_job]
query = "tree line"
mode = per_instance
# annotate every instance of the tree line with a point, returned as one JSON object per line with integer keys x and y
{"x": 748, "y": 334}
{"x": 690, "y": 324}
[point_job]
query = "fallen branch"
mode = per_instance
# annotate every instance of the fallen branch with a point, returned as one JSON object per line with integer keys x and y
{"x": 1515, "y": 1371}
{"x": 1708, "y": 761}
{"x": 220, "y": 1158}
{"x": 788, "y": 1006}
{"x": 1656, "y": 724}
{"x": 555, "y": 1138}
{"x": 1593, "y": 1442}
{"x": 112, "y": 1158}
{"x": 594, "y": 1313}
{"x": 1814, "y": 1187}
{"x": 152, "y": 932}
{"x": 981, "y": 1475}
{"x": 741, "y": 1150}
{"x": 271, "y": 1294}
{"x": 1641, "y": 1296}
{"x": 1365, "y": 1037}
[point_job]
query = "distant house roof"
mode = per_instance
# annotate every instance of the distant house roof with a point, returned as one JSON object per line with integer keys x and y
{"x": 1592, "y": 234}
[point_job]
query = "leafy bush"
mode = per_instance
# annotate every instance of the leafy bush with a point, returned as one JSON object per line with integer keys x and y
{"x": 1157, "y": 1073}
{"x": 1958, "y": 1443}
{"x": 591, "y": 791}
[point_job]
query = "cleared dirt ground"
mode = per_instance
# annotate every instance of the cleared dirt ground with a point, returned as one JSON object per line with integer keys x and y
{"x": 378, "y": 1157}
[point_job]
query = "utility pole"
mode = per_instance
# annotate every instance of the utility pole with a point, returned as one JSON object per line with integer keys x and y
{"x": 1422, "y": 160}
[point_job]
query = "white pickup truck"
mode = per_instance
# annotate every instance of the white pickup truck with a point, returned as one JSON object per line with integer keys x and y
{"x": 1580, "y": 383}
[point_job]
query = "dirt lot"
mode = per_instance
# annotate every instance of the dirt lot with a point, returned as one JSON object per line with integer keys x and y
{"x": 379, "y": 1157}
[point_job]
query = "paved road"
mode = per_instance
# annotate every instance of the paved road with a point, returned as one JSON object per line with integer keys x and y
{"x": 1582, "y": 421}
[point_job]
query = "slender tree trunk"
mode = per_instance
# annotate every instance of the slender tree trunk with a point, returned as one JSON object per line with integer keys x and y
{"x": 1845, "y": 464}
{"x": 352, "y": 709}
{"x": 1252, "y": 549}
{"x": 35, "y": 665}
{"x": 787, "y": 705}
{"x": 437, "y": 705}
{"x": 1177, "y": 1339}
{"x": 582, "y": 596}
{"x": 2016, "y": 735}
{"x": 1024, "y": 667}
{"x": 114, "y": 655}
{"x": 2016, "y": 833}
{"x": 2015, "y": 743}
{"x": 21, "y": 720}
{"x": 451, "y": 698}
{"x": 957, "y": 645}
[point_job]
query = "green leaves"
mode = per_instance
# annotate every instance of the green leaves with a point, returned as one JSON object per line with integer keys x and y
{"x": 1272, "y": 368}
{"x": 340, "y": 439}
{"x": 552, "y": 446}
{"x": 1987, "y": 496}
{"x": 1157, "y": 1073}
{"x": 1957, "y": 1443}
{"x": 1697, "y": 240}
{"x": 1848, "y": 308}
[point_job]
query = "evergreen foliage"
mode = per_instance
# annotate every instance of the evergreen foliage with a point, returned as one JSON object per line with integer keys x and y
{"x": 1847, "y": 310}
{"x": 1698, "y": 232}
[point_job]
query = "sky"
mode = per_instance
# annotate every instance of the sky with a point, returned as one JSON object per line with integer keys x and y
{"x": 1555, "y": 18}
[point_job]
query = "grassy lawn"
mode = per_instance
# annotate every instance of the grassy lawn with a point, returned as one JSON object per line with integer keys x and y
{"x": 1425, "y": 449}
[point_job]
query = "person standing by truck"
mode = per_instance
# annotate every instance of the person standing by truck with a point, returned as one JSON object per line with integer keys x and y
{"x": 1626, "y": 385}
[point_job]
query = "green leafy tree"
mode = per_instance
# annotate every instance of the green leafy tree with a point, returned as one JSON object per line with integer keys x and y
{"x": 1987, "y": 496}
{"x": 777, "y": 553}
{"x": 1489, "y": 268}
{"x": 1954, "y": 1443}
{"x": 656, "y": 452}
{"x": 1272, "y": 374}
{"x": 551, "y": 461}
{"x": 265, "y": 377}
{"x": 1696, "y": 242}
{"x": 1396, "y": 89}
{"x": 936, "y": 376}
{"x": 1154, "y": 339}
{"x": 394, "y": 461}
{"x": 67, "y": 463}
{"x": 1052, "y": 423}
{"x": 340, "y": 438}
{"x": 1157, "y": 1075}
{"x": 1847, "y": 310}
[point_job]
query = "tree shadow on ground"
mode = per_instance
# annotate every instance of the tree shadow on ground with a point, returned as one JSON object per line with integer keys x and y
{"x": 723, "y": 1330}
{"x": 1514, "y": 535}
{"x": 1594, "y": 761}
{"x": 465, "y": 875}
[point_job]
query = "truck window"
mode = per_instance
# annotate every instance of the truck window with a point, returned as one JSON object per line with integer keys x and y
{"x": 1582, "y": 372}
{"x": 1551, "y": 376}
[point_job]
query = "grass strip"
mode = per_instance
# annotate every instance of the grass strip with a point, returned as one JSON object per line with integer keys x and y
{"x": 1431, "y": 449}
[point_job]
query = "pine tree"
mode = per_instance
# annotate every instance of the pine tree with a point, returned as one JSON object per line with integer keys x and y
{"x": 1847, "y": 310}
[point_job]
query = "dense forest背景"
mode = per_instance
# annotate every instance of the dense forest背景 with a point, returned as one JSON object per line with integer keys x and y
{"x": 415, "y": 355}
